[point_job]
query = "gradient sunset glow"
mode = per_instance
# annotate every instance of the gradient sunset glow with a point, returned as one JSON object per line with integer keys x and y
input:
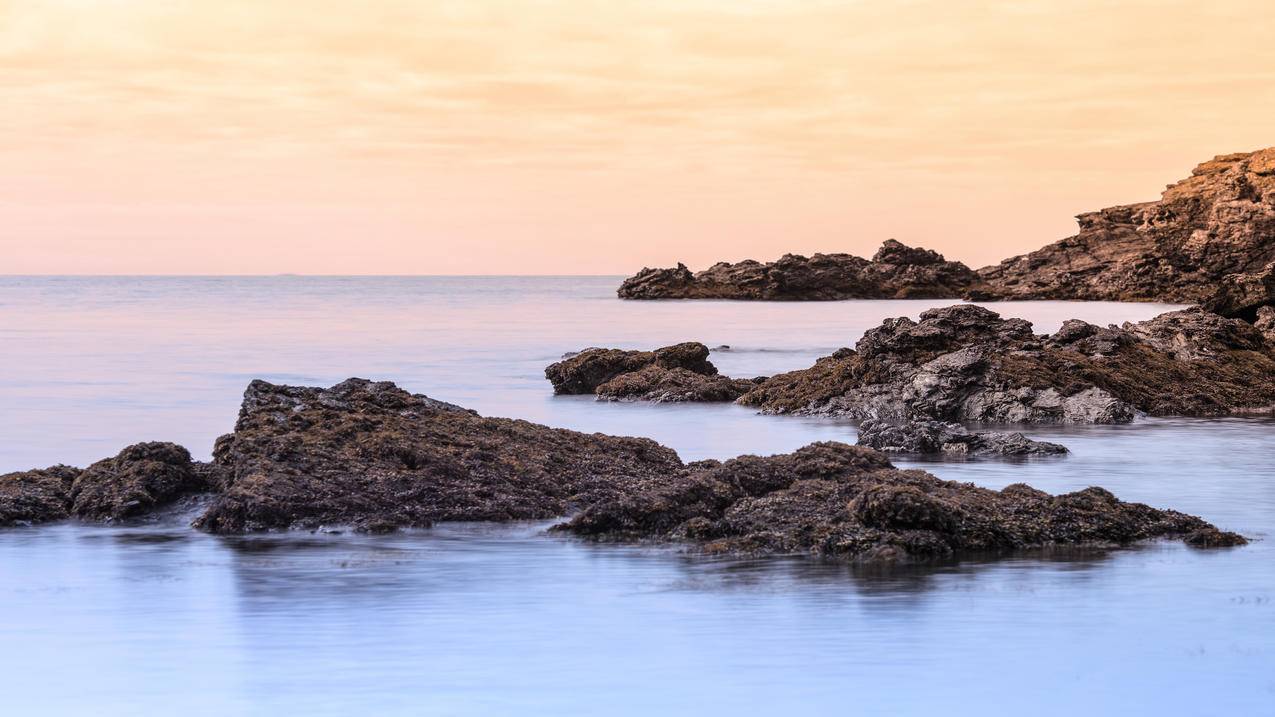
{"x": 576, "y": 137}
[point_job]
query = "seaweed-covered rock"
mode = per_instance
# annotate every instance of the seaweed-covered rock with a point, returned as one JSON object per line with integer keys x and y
{"x": 141, "y": 478}
{"x": 850, "y": 503}
{"x": 928, "y": 437}
{"x": 673, "y": 385}
{"x": 895, "y": 272}
{"x": 584, "y": 371}
{"x": 36, "y": 496}
{"x": 1209, "y": 239}
{"x": 375, "y": 457}
{"x": 965, "y": 362}
{"x": 678, "y": 373}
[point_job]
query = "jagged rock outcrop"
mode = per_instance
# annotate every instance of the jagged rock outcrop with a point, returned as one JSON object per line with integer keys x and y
{"x": 895, "y": 272}
{"x": 846, "y": 502}
{"x": 1209, "y": 240}
{"x": 930, "y": 437}
{"x": 373, "y": 456}
{"x": 965, "y": 363}
{"x": 1265, "y": 323}
{"x": 676, "y": 373}
{"x": 140, "y": 479}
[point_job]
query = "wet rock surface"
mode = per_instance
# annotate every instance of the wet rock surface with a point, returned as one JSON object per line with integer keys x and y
{"x": 583, "y": 371}
{"x": 36, "y": 496}
{"x": 847, "y": 502}
{"x": 375, "y": 457}
{"x": 678, "y": 373}
{"x": 895, "y": 272}
{"x": 140, "y": 479}
{"x": 966, "y": 363}
{"x": 937, "y": 437}
{"x": 1209, "y": 240}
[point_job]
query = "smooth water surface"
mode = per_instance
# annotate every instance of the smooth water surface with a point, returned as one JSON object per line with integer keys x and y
{"x": 465, "y": 619}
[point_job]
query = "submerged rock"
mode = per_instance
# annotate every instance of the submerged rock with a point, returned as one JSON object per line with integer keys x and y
{"x": 926, "y": 437}
{"x": 375, "y": 457}
{"x": 966, "y": 363}
{"x": 847, "y": 502}
{"x": 676, "y": 373}
{"x": 1209, "y": 240}
{"x": 895, "y": 272}
{"x": 138, "y": 480}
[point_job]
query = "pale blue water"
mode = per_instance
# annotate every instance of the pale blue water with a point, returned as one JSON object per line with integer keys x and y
{"x": 482, "y": 619}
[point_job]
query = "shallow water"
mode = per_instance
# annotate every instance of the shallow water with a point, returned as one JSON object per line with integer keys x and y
{"x": 505, "y": 619}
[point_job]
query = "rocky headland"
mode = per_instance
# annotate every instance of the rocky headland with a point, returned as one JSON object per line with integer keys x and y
{"x": 1209, "y": 240}
{"x": 895, "y": 272}
{"x": 374, "y": 457}
{"x": 679, "y": 373}
{"x": 937, "y": 437}
{"x": 966, "y": 363}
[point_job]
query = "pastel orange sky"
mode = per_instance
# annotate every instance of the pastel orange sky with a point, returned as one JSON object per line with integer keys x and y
{"x": 578, "y": 136}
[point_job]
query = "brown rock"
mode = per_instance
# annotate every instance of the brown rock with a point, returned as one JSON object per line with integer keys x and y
{"x": 845, "y": 502}
{"x": 1209, "y": 240}
{"x": 966, "y": 363}
{"x": 36, "y": 496}
{"x": 895, "y": 272}
{"x": 373, "y": 456}
{"x": 584, "y": 371}
{"x": 140, "y": 479}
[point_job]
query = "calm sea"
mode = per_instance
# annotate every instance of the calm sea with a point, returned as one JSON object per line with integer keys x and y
{"x": 486, "y": 619}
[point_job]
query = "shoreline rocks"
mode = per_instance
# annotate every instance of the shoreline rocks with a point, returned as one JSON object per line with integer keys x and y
{"x": 896, "y": 271}
{"x": 678, "y": 373}
{"x": 138, "y": 480}
{"x": 844, "y": 502}
{"x": 937, "y": 437}
{"x": 966, "y": 363}
{"x": 371, "y": 456}
{"x": 1209, "y": 240}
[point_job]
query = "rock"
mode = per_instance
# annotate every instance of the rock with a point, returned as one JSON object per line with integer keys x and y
{"x": 1265, "y": 323}
{"x": 965, "y": 363}
{"x": 679, "y": 373}
{"x": 141, "y": 478}
{"x": 1209, "y": 240}
{"x": 585, "y": 370}
{"x": 895, "y": 272}
{"x": 36, "y": 496}
{"x": 677, "y": 385}
{"x": 375, "y": 457}
{"x": 926, "y": 437}
{"x": 138, "y": 480}
{"x": 845, "y": 502}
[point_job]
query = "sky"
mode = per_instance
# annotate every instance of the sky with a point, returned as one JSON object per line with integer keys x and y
{"x": 597, "y": 137}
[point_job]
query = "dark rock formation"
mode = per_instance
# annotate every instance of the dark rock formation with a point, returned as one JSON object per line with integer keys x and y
{"x": 926, "y": 437}
{"x": 895, "y": 272}
{"x": 1209, "y": 240}
{"x": 966, "y": 363}
{"x": 584, "y": 371}
{"x": 665, "y": 385}
{"x": 846, "y": 502}
{"x": 373, "y": 456}
{"x": 674, "y": 373}
{"x": 140, "y": 479}
{"x": 36, "y": 496}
